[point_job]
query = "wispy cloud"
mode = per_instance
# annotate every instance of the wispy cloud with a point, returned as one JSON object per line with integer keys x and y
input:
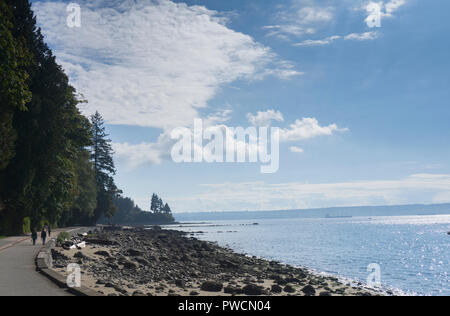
{"x": 366, "y": 36}
{"x": 418, "y": 188}
{"x": 298, "y": 20}
{"x": 296, "y": 149}
{"x": 321, "y": 42}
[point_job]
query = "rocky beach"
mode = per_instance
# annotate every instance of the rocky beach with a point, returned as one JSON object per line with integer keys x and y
{"x": 155, "y": 262}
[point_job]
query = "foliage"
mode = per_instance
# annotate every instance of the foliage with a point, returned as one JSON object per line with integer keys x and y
{"x": 128, "y": 213}
{"x": 62, "y": 237}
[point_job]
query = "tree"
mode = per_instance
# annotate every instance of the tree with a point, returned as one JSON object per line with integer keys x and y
{"x": 155, "y": 206}
{"x": 14, "y": 91}
{"x": 104, "y": 169}
{"x": 40, "y": 179}
{"x": 166, "y": 209}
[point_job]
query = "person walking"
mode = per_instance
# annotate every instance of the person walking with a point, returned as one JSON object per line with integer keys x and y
{"x": 43, "y": 236}
{"x": 34, "y": 236}
{"x": 49, "y": 230}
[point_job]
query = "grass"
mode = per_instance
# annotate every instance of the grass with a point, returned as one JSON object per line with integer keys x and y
{"x": 2, "y": 237}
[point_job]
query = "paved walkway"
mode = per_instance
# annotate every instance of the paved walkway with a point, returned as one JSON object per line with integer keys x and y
{"x": 18, "y": 275}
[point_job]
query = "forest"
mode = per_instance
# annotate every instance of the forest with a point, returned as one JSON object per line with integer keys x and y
{"x": 56, "y": 165}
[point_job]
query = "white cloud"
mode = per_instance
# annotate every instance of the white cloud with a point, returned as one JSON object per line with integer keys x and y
{"x": 393, "y": 6}
{"x": 367, "y": 36}
{"x": 288, "y": 29}
{"x": 264, "y": 118}
{"x": 152, "y": 63}
{"x": 300, "y": 20}
{"x": 135, "y": 155}
{"x": 311, "y": 15}
{"x": 321, "y": 42}
{"x": 387, "y": 8}
{"x": 421, "y": 188}
{"x": 307, "y": 128}
{"x": 296, "y": 149}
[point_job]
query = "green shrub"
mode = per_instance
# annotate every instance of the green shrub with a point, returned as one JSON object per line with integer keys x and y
{"x": 26, "y": 226}
{"x": 62, "y": 237}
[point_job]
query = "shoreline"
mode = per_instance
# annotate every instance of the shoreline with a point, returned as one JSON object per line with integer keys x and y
{"x": 157, "y": 262}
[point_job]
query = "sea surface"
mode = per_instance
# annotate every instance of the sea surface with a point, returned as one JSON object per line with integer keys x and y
{"x": 413, "y": 252}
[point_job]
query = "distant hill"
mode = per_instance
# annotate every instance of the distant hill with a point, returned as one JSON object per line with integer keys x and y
{"x": 396, "y": 210}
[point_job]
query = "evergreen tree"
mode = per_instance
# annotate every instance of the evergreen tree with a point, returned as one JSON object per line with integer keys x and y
{"x": 40, "y": 179}
{"x": 166, "y": 209}
{"x": 154, "y": 207}
{"x": 14, "y": 91}
{"x": 104, "y": 169}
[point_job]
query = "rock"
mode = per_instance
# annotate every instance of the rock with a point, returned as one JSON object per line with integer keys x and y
{"x": 276, "y": 289}
{"x": 278, "y": 279}
{"x": 79, "y": 255}
{"x": 128, "y": 265}
{"x": 180, "y": 283}
{"x": 120, "y": 290}
{"x": 138, "y": 293}
{"x": 289, "y": 289}
{"x": 194, "y": 293}
{"x": 253, "y": 290}
{"x": 230, "y": 290}
{"x": 309, "y": 290}
{"x": 325, "y": 294}
{"x": 102, "y": 253}
{"x": 141, "y": 261}
{"x": 292, "y": 280}
{"x": 134, "y": 253}
{"x": 212, "y": 286}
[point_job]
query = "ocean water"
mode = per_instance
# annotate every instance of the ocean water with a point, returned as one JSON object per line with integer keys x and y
{"x": 413, "y": 252}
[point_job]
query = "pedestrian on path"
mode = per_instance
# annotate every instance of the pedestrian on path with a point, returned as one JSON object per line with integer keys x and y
{"x": 43, "y": 236}
{"x": 34, "y": 236}
{"x": 49, "y": 230}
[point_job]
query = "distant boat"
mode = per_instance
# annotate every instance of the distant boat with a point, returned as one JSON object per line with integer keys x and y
{"x": 338, "y": 216}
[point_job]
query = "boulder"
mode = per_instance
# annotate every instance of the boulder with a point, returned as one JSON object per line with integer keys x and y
{"x": 289, "y": 289}
{"x": 276, "y": 289}
{"x": 230, "y": 290}
{"x": 134, "y": 253}
{"x": 212, "y": 286}
{"x": 102, "y": 253}
{"x": 253, "y": 290}
{"x": 309, "y": 290}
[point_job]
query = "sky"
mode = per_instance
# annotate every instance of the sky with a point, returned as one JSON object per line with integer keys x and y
{"x": 362, "y": 109}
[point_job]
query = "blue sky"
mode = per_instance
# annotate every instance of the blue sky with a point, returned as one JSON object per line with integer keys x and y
{"x": 379, "y": 97}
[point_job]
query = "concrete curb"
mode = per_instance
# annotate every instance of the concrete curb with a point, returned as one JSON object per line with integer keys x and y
{"x": 44, "y": 263}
